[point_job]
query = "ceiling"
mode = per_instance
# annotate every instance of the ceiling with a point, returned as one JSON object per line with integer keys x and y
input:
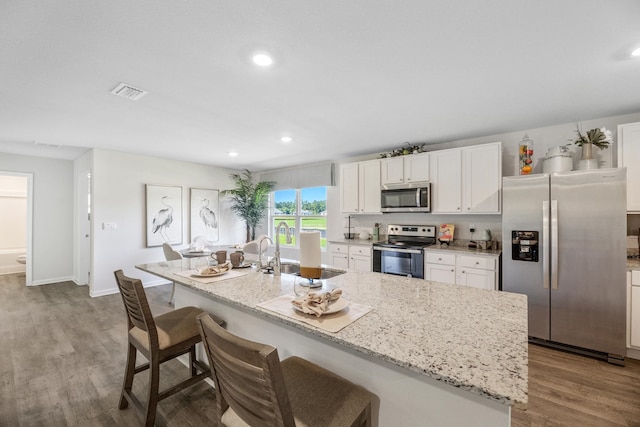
{"x": 350, "y": 78}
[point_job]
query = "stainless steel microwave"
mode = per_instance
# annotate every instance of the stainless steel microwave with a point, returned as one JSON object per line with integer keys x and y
{"x": 413, "y": 197}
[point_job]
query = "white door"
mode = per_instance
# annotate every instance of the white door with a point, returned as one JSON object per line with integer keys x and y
{"x": 84, "y": 228}
{"x": 629, "y": 157}
{"x": 349, "y": 188}
{"x": 369, "y": 186}
{"x": 440, "y": 273}
{"x": 482, "y": 172}
{"x": 416, "y": 167}
{"x": 446, "y": 180}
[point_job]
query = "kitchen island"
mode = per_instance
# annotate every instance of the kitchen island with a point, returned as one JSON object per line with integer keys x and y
{"x": 432, "y": 353}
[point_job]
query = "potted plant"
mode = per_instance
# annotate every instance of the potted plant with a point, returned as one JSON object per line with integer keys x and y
{"x": 601, "y": 138}
{"x": 249, "y": 200}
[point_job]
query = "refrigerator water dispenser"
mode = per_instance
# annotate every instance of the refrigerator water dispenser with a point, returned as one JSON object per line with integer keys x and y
{"x": 524, "y": 245}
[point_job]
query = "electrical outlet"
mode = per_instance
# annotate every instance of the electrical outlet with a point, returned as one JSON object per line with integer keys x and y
{"x": 472, "y": 228}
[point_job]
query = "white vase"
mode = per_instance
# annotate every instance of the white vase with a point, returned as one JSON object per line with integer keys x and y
{"x": 587, "y": 161}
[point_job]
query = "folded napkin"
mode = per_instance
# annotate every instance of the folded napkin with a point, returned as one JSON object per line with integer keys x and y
{"x": 216, "y": 269}
{"x": 317, "y": 302}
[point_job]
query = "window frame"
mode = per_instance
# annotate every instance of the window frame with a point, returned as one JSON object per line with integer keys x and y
{"x": 297, "y": 217}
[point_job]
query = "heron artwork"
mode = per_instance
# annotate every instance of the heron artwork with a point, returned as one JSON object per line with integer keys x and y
{"x": 163, "y": 220}
{"x": 208, "y": 218}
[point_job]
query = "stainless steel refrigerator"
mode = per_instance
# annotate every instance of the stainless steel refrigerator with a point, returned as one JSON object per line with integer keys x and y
{"x": 564, "y": 246}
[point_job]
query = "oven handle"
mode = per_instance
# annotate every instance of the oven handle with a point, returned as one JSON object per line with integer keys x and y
{"x": 404, "y": 251}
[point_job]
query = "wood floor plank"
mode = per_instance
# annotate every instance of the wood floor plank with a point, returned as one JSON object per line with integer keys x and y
{"x": 62, "y": 356}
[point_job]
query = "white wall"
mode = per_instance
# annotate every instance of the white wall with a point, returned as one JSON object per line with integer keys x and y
{"x": 119, "y": 196}
{"x": 52, "y": 238}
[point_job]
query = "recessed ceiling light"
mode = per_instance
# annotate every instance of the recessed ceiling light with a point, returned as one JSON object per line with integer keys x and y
{"x": 262, "y": 59}
{"x": 636, "y": 52}
{"x": 232, "y": 154}
{"x": 286, "y": 139}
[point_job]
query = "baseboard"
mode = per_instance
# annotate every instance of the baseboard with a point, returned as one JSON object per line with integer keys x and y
{"x": 115, "y": 290}
{"x": 633, "y": 353}
{"x": 52, "y": 281}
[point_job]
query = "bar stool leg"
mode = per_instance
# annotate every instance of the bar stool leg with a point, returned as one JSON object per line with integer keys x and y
{"x": 128, "y": 377}
{"x": 154, "y": 383}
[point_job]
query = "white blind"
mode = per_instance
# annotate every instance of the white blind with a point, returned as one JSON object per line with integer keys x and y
{"x": 314, "y": 175}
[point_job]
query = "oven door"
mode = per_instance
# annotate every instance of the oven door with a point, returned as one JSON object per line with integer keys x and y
{"x": 399, "y": 261}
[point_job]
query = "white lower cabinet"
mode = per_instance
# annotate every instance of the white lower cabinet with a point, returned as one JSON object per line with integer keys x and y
{"x": 477, "y": 271}
{"x": 360, "y": 258}
{"x": 633, "y": 327}
{"x": 440, "y": 267}
{"x": 339, "y": 256}
{"x": 354, "y": 257}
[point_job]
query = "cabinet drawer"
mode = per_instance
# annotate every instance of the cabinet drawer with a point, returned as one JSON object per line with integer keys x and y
{"x": 484, "y": 263}
{"x": 360, "y": 250}
{"x": 342, "y": 249}
{"x": 635, "y": 277}
{"x": 440, "y": 258}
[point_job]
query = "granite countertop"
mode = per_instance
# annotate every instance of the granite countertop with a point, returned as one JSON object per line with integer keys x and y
{"x": 468, "y": 338}
{"x": 362, "y": 242}
{"x": 634, "y": 263}
{"x": 465, "y": 249}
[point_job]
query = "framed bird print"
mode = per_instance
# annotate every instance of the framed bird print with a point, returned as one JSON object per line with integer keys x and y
{"x": 164, "y": 215}
{"x": 205, "y": 215}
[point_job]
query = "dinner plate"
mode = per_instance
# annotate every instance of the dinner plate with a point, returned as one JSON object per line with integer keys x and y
{"x": 197, "y": 274}
{"x": 334, "y": 307}
{"x": 245, "y": 265}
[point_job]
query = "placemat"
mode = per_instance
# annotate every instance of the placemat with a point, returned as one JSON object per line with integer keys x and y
{"x": 329, "y": 322}
{"x": 231, "y": 274}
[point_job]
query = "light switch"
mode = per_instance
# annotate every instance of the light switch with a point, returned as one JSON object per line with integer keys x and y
{"x": 109, "y": 225}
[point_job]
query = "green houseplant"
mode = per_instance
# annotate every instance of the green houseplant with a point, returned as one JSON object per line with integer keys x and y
{"x": 249, "y": 200}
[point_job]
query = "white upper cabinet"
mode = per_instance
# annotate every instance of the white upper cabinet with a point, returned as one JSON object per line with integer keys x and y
{"x": 405, "y": 169}
{"x": 482, "y": 178}
{"x": 360, "y": 187}
{"x": 629, "y": 157}
{"x": 467, "y": 180}
{"x": 446, "y": 181}
{"x": 349, "y": 188}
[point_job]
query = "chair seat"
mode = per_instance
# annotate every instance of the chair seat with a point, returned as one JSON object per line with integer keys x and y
{"x": 318, "y": 397}
{"x": 174, "y": 327}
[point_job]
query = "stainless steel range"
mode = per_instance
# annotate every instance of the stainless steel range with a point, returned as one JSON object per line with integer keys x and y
{"x": 403, "y": 252}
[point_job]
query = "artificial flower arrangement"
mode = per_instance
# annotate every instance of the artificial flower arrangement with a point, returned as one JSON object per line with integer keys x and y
{"x": 601, "y": 138}
{"x": 403, "y": 151}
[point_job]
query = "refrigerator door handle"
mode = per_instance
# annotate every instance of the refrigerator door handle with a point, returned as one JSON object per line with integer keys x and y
{"x": 545, "y": 244}
{"x": 554, "y": 244}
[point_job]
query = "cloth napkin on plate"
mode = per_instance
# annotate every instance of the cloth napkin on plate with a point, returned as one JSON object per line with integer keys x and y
{"x": 317, "y": 302}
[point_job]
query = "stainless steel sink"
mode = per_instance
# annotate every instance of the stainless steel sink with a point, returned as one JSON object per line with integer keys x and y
{"x": 294, "y": 269}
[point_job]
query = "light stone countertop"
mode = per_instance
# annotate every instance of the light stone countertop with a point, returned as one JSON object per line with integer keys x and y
{"x": 468, "y": 338}
{"x": 465, "y": 250}
{"x": 361, "y": 242}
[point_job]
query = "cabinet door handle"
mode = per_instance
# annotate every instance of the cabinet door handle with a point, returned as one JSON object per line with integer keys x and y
{"x": 454, "y": 270}
{"x": 477, "y": 263}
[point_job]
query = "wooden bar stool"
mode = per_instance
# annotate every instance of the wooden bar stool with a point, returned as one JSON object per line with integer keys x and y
{"x": 254, "y": 388}
{"x": 171, "y": 254}
{"x": 159, "y": 339}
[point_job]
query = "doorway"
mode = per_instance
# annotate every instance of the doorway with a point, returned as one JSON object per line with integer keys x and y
{"x": 16, "y": 201}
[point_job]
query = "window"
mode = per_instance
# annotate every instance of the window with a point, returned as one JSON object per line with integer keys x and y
{"x": 302, "y": 210}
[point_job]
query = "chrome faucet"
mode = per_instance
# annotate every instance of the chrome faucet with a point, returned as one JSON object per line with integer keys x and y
{"x": 260, "y": 249}
{"x": 276, "y": 257}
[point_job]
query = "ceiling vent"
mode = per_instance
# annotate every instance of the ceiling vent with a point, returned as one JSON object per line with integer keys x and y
{"x": 127, "y": 91}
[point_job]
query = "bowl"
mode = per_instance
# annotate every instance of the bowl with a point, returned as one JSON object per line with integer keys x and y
{"x": 349, "y": 235}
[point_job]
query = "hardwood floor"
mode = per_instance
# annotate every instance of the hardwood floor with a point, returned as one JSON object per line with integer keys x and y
{"x": 62, "y": 357}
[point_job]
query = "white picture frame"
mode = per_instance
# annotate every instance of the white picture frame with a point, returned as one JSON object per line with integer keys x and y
{"x": 205, "y": 214}
{"x": 163, "y": 214}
